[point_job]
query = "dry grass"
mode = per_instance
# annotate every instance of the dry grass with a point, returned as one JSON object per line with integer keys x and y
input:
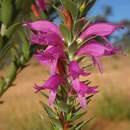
{"x": 21, "y": 106}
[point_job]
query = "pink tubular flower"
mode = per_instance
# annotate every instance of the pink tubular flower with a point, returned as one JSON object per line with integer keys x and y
{"x": 96, "y": 50}
{"x": 99, "y": 29}
{"x": 51, "y": 84}
{"x": 43, "y": 26}
{"x": 41, "y": 4}
{"x": 51, "y": 56}
{"x": 75, "y": 72}
{"x": 47, "y": 33}
{"x": 83, "y": 91}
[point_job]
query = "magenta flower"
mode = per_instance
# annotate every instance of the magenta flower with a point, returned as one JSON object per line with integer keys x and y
{"x": 44, "y": 26}
{"x": 75, "y": 72}
{"x": 83, "y": 92}
{"x": 51, "y": 84}
{"x": 96, "y": 50}
{"x": 99, "y": 29}
{"x": 50, "y": 57}
{"x": 47, "y": 33}
{"x": 41, "y": 4}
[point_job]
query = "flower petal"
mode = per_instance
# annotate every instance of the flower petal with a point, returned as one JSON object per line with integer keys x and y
{"x": 50, "y": 57}
{"x": 51, "y": 84}
{"x": 76, "y": 84}
{"x": 85, "y": 89}
{"x": 43, "y": 26}
{"x": 53, "y": 66}
{"x": 52, "y": 98}
{"x": 96, "y": 61}
{"x": 38, "y": 88}
{"x": 92, "y": 48}
{"x": 76, "y": 71}
{"x": 82, "y": 100}
{"x": 47, "y": 39}
{"x": 99, "y": 29}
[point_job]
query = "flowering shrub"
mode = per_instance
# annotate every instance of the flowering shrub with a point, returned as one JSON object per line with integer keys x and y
{"x": 62, "y": 48}
{"x": 66, "y": 45}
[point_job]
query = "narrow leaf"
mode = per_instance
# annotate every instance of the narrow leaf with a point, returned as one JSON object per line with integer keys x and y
{"x": 66, "y": 33}
{"x": 78, "y": 115}
{"x": 49, "y": 111}
{"x": 57, "y": 124}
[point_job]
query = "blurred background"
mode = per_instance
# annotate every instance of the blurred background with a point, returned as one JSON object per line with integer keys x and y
{"x": 20, "y": 108}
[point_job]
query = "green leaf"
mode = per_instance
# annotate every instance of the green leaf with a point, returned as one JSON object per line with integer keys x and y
{"x": 79, "y": 2}
{"x": 18, "y": 4}
{"x": 83, "y": 124}
{"x": 72, "y": 49}
{"x": 78, "y": 115}
{"x": 59, "y": 12}
{"x": 11, "y": 73}
{"x": 10, "y": 31}
{"x": 26, "y": 50}
{"x": 44, "y": 94}
{"x": 87, "y": 81}
{"x": 69, "y": 116}
{"x": 5, "y": 49}
{"x": 66, "y": 33}
{"x": 1, "y": 41}
{"x": 79, "y": 59}
{"x": 0, "y": 14}
{"x": 23, "y": 6}
{"x": 63, "y": 107}
{"x": 2, "y": 84}
{"x": 57, "y": 123}
{"x": 7, "y": 11}
{"x": 43, "y": 15}
{"x": 80, "y": 125}
{"x": 87, "y": 98}
{"x": 72, "y": 7}
{"x": 78, "y": 27}
{"x": 26, "y": 47}
{"x": 49, "y": 111}
{"x": 88, "y": 6}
